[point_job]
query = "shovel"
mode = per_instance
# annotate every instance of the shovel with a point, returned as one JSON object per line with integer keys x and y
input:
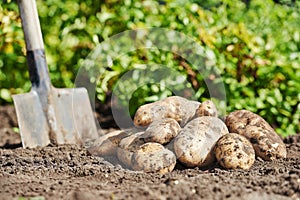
{"x": 47, "y": 115}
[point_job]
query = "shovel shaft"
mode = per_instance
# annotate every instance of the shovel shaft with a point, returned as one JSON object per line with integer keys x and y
{"x": 36, "y": 60}
{"x": 47, "y": 114}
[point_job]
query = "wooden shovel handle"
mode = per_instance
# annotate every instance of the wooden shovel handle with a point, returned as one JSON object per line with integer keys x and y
{"x": 36, "y": 60}
{"x": 31, "y": 25}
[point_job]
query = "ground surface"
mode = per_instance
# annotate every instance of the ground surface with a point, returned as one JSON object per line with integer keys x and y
{"x": 69, "y": 172}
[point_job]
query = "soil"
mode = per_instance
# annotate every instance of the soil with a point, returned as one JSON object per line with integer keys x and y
{"x": 70, "y": 172}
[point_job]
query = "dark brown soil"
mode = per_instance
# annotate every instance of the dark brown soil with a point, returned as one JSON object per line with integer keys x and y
{"x": 69, "y": 172}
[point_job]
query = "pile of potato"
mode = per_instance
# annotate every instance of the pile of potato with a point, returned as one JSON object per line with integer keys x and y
{"x": 176, "y": 129}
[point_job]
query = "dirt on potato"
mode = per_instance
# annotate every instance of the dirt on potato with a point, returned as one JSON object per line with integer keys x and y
{"x": 70, "y": 172}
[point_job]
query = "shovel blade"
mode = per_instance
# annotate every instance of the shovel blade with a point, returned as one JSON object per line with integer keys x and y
{"x": 32, "y": 121}
{"x": 68, "y": 120}
{"x": 74, "y": 115}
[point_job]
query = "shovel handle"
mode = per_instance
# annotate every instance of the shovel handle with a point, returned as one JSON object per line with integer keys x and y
{"x": 36, "y": 60}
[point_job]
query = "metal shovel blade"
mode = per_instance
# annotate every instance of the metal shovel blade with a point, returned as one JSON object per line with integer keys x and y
{"x": 68, "y": 120}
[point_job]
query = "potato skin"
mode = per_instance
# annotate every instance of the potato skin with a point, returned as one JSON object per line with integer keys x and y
{"x": 206, "y": 108}
{"x": 162, "y": 131}
{"x": 194, "y": 144}
{"x": 107, "y": 144}
{"x": 234, "y": 151}
{"x": 267, "y": 144}
{"x": 153, "y": 157}
{"x": 128, "y": 146}
{"x": 175, "y": 107}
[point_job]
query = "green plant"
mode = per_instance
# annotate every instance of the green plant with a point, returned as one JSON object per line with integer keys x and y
{"x": 255, "y": 46}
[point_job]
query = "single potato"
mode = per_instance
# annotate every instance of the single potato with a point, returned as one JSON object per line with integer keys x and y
{"x": 162, "y": 131}
{"x": 266, "y": 142}
{"x": 153, "y": 157}
{"x": 234, "y": 151}
{"x": 175, "y": 107}
{"x": 207, "y": 108}
{"x": 194, "y": 144}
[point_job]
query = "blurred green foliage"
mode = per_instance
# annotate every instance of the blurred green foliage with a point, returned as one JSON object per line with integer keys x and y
{"x": 254, "y": 44}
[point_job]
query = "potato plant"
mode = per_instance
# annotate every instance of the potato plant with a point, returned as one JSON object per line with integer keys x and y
{"x": 254, "y": 44}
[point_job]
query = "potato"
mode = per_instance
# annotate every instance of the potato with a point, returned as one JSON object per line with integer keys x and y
{"x": 194, "y": 143}
{"x": 162, "y": 131}
{"x": 267, "y": 144}
{"x": 175, "y": 107}
{"x": 207, "y": 108}
{"x": 107, "y": 144}
{"x": 234, "y": 151}
{"x": 153, "y": 157}
{"x": 128, "y": 146}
